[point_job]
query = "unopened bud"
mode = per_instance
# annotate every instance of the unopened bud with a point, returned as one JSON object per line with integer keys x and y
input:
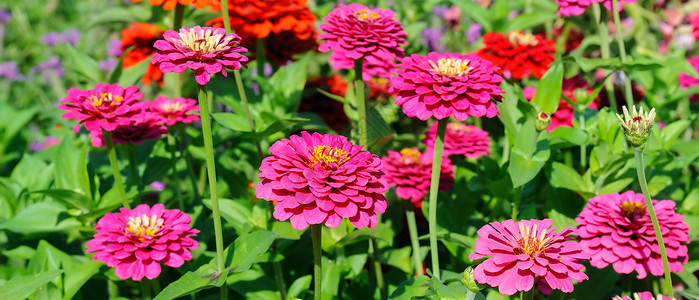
{"x": 543, "y": 120}
{"x": 471, "y": 282}
{"x": 581, "y": 96}
{"x": 637, "y": 125}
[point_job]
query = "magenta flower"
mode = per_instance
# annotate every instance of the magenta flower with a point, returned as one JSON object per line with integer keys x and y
{"x": 441, "y": 85}
{"x": 528, "y": 252}
{"x": 573, "y": 7}
{"x": 175, "y": 110}
{"x": 687, "y": 81}
{"x": 643, "y": 296}
{"x": 355, "y": 31}
{"x": 376, "y": 65}
{"x": 460, "y": 139}
{"x": 204, "y": 50}
{"x": 135, "y": 241}
{"x": 105, "y": 107}
{"x": 616, "y": 229}
{"x": 410, "y": 172}
{"x": 144, "y": 126}
{"x": 318, "y": 179}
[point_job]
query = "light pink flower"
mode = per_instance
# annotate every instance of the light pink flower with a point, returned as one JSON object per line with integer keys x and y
{"x": 175, "y": 110}
{"x": 616, "y": 229}
{"x": 643, "y": 296}
{"x": 144, "y": 126}
{"x": 204, "y": 50}
{"x": 135, "y": 241}
{"x": 687, "y": 81}
{"x": 526, "y": 252}
{"x": 320, "y": 179}
{"x": 410, "y": 172}
{"x": 460, "y": 139}
{"x": 104, "y": 107}
{"x": 441, "y": 85}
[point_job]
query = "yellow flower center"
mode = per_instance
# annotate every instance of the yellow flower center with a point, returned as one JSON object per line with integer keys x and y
{"x": 204, "y": 42}
{"x": 517, "y": 38}
{"x": 144, "y": 227}
{"x": 97, "y": 100}
{"x": 327, "y": 155}
{"x": 529, "y": 242}
{"x": 364, "y": 15}
{"x": 633, "y": 209}
{"x": 170, "y": 107}
{"x": 459, "y": 128}
{"x": 410, "y": 155}
{"x": 451, "y": 67}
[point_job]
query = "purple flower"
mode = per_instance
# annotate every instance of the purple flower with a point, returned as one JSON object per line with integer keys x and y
{"x": 157, "y": 185}
{"x": 46, "y": 67}
{"x": 440, "y": 10}
{"x": 71, "y": 36}
{"x": 5, "y": 16}
{"x": 473, "y": 33}
{"x": 114, "y": 47}
{"x": 10, "y": 70}
{"x": 51, "y": 38}
{"x": 108, "y": 64}
{"x": 431, "y": 37}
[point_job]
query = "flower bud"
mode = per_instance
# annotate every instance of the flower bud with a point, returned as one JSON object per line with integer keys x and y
{"x": 471, "y": 282}
{"x": 637, "y": 125}
{"x": 543, "y": 120}
{"x": 582, "y": 96}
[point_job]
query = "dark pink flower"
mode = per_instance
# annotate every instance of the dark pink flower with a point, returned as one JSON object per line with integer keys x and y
{"x": 144, "y": 126}
{"x": 643, "y": 296}
{"x": 442, "y": 85}
{"x": 104, "y": 107}
{"x": 687, "y": 81}
{"x": 526, "y": 252}
{"x": 204, "y": 50}
{"x": 135, "y": 241}
{"x": 573, "y": 7}
{"x": 319, "y": 178}
{"x": 460, "y": 139}
{"x": 175, "y": 110}
{"x": 375, "y": 65}
{"x": 616, "y": 229}
{"x": 410, "y": 172}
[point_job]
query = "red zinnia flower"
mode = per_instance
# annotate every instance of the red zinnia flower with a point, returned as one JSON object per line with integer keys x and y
{"x": 170, "y": 4}
{"x": 410, "y": 172}
{"x": 142, "y": 36}
{"x": 519, "y": 54}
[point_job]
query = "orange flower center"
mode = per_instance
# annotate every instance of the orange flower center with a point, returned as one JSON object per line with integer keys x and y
{"x": 633, "y": 209}
{"x": 410, "y": 155}
{"x": 144, "y": 227}
{"x": 170, "y": 107}
{"x": 529, "y": 242}
{"x": 451, "y": 67}
{"x": 327, "y": 155}
{"x": 517, "y": 38}
{"x": 98, "y": 100}
{"x": 364, "y": 15}
{"x": 204, "y": 42}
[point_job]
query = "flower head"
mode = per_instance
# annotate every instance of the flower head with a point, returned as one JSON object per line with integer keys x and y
{"x": 443, "y": 85}
{"x": 616, "y": 229}
{"x": 141, "y": 36}
{"x": 686, "y": 80}
{"x": 135, "y": 241}
{"x": 175, "y": 110}
{"x": 104, "y": 107}
{"x": 527, "y": 252}
{"x": 321, "y": 179}
{"x": 143, "y": 126}
{"x": 518, "y": 53}
{"x": 460, "y": 139}
{"x": 637, "y": 125}
{"x": 643, "y": 296}
{"x": 10, "y": 70}
{"x": 410, "y": 172}
{"x": 204, "y": 50}
{"x": 543, "y": 120}
{"x": 170, "y": 4}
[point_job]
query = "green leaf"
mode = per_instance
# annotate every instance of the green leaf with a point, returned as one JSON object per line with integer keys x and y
{"x": 71, "y": 170}
{"x": 248, "y": 247}
{"x": 40, "y": 217}
{"x": 550, "y": 86}
{"x": 447, "y": 292}
{"x": 189, "y": 283}
{"x": 232, "y": 121}
{"x": 69, "y": 198}
{"x": 476, "y": 12}
{"x": 285, "y": 231}
{"x": 529, "y": 20}
{"x": 561, "y": 221}
{"x": 290, "y": 81}
{"x": 132, "y": 75}
{"x": 671, "y": 132}
{"x": 21, "y": 287}
{"x": 277, "y": 126}
{"x": 524, "y": 168}
{"x": 571, "y": 135}
{"x": 84, "y": 65}
{"x": 127, "y": 14}
{"x": 412, "y": 287}
{"x": 563, "y": 176}
{"x": 77, "y": 276}
{"x": 237, "y": 213}
{"x": 616, "y": 186}
{"x": 682, "y": 65}
{"x": 299, "y": 285}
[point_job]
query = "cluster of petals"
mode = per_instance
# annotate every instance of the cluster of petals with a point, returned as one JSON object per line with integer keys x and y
{"x": 354, "y": 31}
{"x": 616, "y": 229}
{"x": 107, "y": 106}
{"x": 578, "y": 7}
{"x": 142, "y": 36}
{"x": 565, "y": 113}
{"x": 643, "y": 296}
{"x": 287, "y": 26}
{"x": 526, "y": 252}
{"x": 321, "y": 179}
{"x": 135, "y": 241}
{"x": 143, "y": 126}
{"x": 441, "y": 85}
{"x": 410, "y": 172}
{"x": 204, "y": 50}
{"x": 517, "y": 53}
{"x": 175, "y": 110}
{"x": 460, "y": 139}
{"x": 687, "y": 81}
{"x": 170, "y": 4}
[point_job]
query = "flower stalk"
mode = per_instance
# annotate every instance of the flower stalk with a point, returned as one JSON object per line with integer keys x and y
{"x": 605, "y": 50}
{"x": 316, "y": 232}
{"x": 628, "y": 93}
{"x": 412, "y": 229}
{"x": 434, "y": 189}
{"x": 115, "y": 167}
{"x": 361, "y": 101}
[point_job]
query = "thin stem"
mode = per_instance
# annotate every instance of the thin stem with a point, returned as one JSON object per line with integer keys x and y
{"x": 145, "y": 289}
{"x": 316, "y": 231}
{"x": 361, "y": 101}
{"x": 640, "y": 170}
{"x": 279, "y": 277}
{"x": 177, "y": 17}
{"x": 434, "y": 188}
{"x": 190, "y": 168}
{"x": 244, "y": 100}
{"x": 377, "y": 269}
{"x": 505, "y": 150}
{"x": 516, "y": 203}
{"x": 528, "y": 295}
{"x": 412, "y": 229}
{"x": 133, "y": 167}
{"x": 112, "y": 289}
{"x": 172, "y": 145}
{"x": 211, "y": 168}
{"x": 605, "y": 49}
{"x": 583, "y": 147}
{"x": 226, "y": 19}
{"x": 115, "y": 167}
{"x": 622, "y": 52}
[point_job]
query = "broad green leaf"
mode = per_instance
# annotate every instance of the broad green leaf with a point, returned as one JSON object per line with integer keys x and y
{"x": 276, "y": 126}
{"x": 561, "y": 221}
{"x": 232, "y": 121}
{"x": 563, "y": 176}
{"x": 285, "y": 231}
{"x": 289, "y": 81}
{"x": 122, "y": 14}
{"x": 189, "y": 283}
{"x": 40, "y": 217}
{"x": 132, "y": 75}
{"x": 524, "y": 168}
{"x": 330, "y": 278}
{"x": 672, "y": 131}
{"x": 68, "y": 197}
{"x": 550, "y": 86}
{"x": 529, "y": 20}
{"x": 448, "y": 292}
{"x": 248, "y": 247}
{"x": 616, "y": 186}
{"x": 237, "y": 213}
{"x": 77, "y": 276}
{"x": 476, "y": 12}
{"x": 83, "y": 65}
{"x": 19, "y": 288}
{"x": 299, "y": 285}
{"x": 71, "y": 169}
{"x": 681, "y": 64}
{"x": 412, "y": 287}
{"x": 571, "y": 135}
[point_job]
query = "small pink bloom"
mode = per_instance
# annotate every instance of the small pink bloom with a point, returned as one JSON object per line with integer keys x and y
{"x": 135, "y": 241}
{"x": 643, "y": 296}
{"x": 107, "y": 106}
{"x": 460, "y": 139}
{"x": 175, "y": 110}
{"x": 144, "y": 126}
{"x": 441, "y": 85}
{"x": 320, "y": 179}
{"x": 616, "y": 229}
{"x": 687, "y": 81}
{"x": 410, "y": 172}
{"x": 204, "y": 50}
{"x": 527, "y": 252}
{"x": 573, "y": 7}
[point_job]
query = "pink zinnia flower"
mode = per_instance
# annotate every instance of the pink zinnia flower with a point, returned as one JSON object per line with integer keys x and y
{"x": 204, "y": 50}
{"x": 355, "y": 31}
{"x": 643, "y": 296}
{"x": 573, "y": 7}
{"x": 144, "y": 126}
{"x": 442, "y": 85}
{"x": 135, "y": 241}
{"x": 104, "y": 107}
{"x": 410, "y": 172}
{"x": 687, "y": 81}
{"x": 318, "y": 179}
{"x": 528, "y": 252}
{"x": 460, "y": 139}
{"x": 175, "y": 110}
{"x": 376, "y": 65}
{"x": 616, "y": 229}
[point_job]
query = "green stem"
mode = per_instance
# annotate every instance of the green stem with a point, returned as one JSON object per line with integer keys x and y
{"x": 528, "y": 295}
{"x": 605, "y": 49}
{"x": 583, "y": 147}
{"x": 244, "y": 100}
{"x": 470, "y": 295}
{"x": 434, "y": 189}
{"x": 190, "y": 168}
{"x": 361, "y": 101}
{"x": 115, "y": 167}
{"x": 133, "y": 167}
{"x": 377, "y": 269}
{"x": 412, "y": 229}
{"x": 145, "y": 289}
{"x": 316, "y": 231}
{"x": 505, "y": 150}
{"x": 173, "y": 160}
{"x": 640, "y": 170}
{"x": 515, "y": 205}
{"x": 226, "y": 19}
{"x": 112, "y": 290}
{"x": 622, "y": 52}
{"x": 279, "y": 277}
{"x": 211, "y": 169}
{"x": 177, "y": 17}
